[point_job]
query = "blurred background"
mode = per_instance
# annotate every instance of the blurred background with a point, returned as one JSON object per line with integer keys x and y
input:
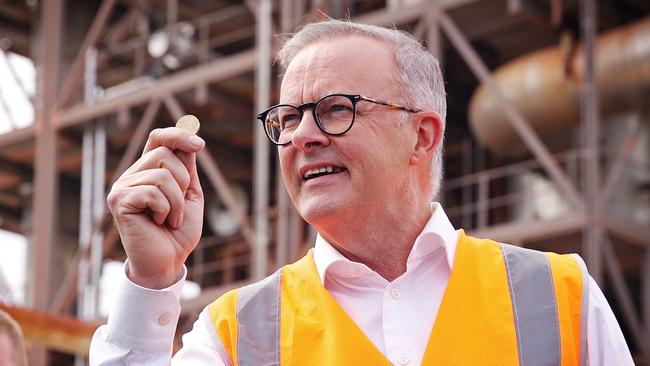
{"x": 547, "y": 143}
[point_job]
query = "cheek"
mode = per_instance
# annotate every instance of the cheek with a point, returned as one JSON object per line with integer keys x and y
{"x": 286, "y": 166}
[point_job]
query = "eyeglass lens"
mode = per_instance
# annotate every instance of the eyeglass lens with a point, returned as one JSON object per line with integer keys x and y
{"x": 334, "y": 114}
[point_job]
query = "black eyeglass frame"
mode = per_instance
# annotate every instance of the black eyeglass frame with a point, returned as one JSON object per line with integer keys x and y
{"x": 354, "y": 99}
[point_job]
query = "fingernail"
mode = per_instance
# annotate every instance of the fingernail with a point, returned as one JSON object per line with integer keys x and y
{"x": 196, "y": 141}
{"x": 179, "y": 221}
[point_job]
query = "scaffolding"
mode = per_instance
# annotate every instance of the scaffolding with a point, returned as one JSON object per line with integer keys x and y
{"x": 231, "y": 51}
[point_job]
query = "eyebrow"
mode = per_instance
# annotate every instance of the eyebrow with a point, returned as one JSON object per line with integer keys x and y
{"x": 326, "y": 93}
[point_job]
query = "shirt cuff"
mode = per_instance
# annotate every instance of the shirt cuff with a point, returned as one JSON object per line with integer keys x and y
{"x": 144, "y": 318}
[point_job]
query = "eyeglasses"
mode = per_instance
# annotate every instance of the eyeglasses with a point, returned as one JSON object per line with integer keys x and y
{"x": 334, "y": 115}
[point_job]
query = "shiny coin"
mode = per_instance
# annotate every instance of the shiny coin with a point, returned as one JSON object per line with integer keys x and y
{"x": 189, "y": 123}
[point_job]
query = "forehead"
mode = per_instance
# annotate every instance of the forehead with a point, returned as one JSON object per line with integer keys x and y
{"x": 355, "y": 65}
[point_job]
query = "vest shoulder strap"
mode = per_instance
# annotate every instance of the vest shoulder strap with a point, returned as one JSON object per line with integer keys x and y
{"x": 549, "y": 294}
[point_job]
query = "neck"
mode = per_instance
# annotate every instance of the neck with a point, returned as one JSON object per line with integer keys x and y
{"x": 382, "y": 242}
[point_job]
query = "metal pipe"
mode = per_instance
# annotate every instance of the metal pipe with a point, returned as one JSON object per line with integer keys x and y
{"x": 545, "y": 87}
{"x": 262, "y": 153}
{"x": 592, "y": 232}
{"x": 515, "y": 119}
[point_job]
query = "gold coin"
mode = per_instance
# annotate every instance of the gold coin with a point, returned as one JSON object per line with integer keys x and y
{"x": 189, "y": 123}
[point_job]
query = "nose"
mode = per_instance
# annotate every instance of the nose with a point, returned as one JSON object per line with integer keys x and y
{"x": 307, "y": 135}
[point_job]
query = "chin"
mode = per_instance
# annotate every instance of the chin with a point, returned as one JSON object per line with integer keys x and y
{"x": 321, "y": 213}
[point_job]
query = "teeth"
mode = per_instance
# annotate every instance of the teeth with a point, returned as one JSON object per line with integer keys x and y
{"x": 325, "y": 169}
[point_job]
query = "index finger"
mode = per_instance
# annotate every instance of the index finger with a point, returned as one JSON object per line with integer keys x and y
{"x": 174, "y": 138}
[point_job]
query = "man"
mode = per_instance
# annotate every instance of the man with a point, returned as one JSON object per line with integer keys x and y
{"x": 359, "y": 133}
{"x": 12, "y": 348}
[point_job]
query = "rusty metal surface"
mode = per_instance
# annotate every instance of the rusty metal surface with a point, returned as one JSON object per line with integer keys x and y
{"x": 545, "y": 86}
{"x": 58, "y": 332}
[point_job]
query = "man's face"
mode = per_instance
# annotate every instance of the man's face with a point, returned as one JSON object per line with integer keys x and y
{"x": 371, "y": 161}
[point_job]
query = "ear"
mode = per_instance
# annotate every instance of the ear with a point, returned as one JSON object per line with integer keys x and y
{"x": 430, "y": 129}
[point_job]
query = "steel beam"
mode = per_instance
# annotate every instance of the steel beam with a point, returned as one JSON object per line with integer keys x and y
{"x": 516, "y": 119}
{"x": 18, "y": 81}
{"x": 623, "y": 296}
{"x": 214, "y": 71}
{"x": 73, "y": 78}
{"x": 434, "y": 41}
{"x": 387, "y": 17}
{"x": 592, "y": 233}
{"x": 621, "y": 228}
{"x": 215, "y": 176}
{"x": 138, "y": 138}
{"x": 616, "y": 170}
{"x": 55, "y": 331}
{"x": 5, "y": 108}
{"x": 45, "y": 175}
{"x": 45, "y": 195}
{"x": 261, "y": 148}
{"x": 67, "y": 291}
{"x": 217, "y": 70}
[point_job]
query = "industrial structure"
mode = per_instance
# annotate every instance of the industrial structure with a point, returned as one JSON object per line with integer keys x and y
{"x": 547, "y": 143}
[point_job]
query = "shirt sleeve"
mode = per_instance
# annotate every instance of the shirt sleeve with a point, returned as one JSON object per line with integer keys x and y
{"x": 141, "y": 327}
{"x": 605, "y": 342}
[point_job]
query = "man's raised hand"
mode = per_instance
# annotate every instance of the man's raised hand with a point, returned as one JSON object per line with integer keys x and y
{"x": 157, "y": 205}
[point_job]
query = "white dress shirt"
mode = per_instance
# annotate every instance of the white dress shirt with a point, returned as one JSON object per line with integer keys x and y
{"x": 397, "y": 316}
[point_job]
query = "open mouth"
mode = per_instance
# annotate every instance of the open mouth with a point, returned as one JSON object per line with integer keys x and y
{"x": 319, "y": 172}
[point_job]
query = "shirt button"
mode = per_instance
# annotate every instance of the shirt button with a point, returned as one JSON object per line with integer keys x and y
{"x": 403, "y": 360}
{"x": 165, "y": 318}
{"x": 394, "y": 293}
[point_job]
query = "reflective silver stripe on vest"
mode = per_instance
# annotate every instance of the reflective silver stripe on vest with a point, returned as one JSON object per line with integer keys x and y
{"x": 533, "y": 304}
{"x": 258, "y": 322}
{"x": 584, "y": 312}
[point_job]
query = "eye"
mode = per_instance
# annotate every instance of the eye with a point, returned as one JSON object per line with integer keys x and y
{"x": 289, "y": 120}
{"x": 339, "y": 108}
{"x": 335, "y": 107}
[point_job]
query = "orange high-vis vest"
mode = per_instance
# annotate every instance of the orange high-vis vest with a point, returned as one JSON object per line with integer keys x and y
{"x": 503, "y": 305}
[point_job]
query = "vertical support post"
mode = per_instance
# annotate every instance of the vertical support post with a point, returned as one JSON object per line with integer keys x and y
{"x": 98, "y": 210}
{"x": 592, "y": 233}
{"x": 286, "y": 16}
{"x": 298, "y": 11}
{"x": 483, "y": 197}
{"x": 296, "y": 234}
{"x": 283, "y": 241}
{"x": 466, "y": 193}
{"x": 282, "y": 222}
{"x": 172, "y": 12}
{"x": 261, "y": 158}
{"x": 45, "y": 176}
{"x": 623, "y": 296}
{"x": 433, "y": 32}
{"x": 85, "y": 218}
{"x": 91, "y": 170}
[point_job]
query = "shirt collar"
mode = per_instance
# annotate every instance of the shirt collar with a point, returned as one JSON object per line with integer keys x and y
{"x": 437, "y": 233}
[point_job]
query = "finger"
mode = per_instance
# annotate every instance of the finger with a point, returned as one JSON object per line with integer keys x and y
{"x": 165, "y": 182}
{"x": 194, "y": 191}
{"x": 136, "y": 200}
{"x": 175, "y": 139}
{"x": 190, "y": 162}
{"x": 163, "y": 157}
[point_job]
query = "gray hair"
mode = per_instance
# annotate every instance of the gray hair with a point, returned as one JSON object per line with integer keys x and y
{"x": 421, "y": 79}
